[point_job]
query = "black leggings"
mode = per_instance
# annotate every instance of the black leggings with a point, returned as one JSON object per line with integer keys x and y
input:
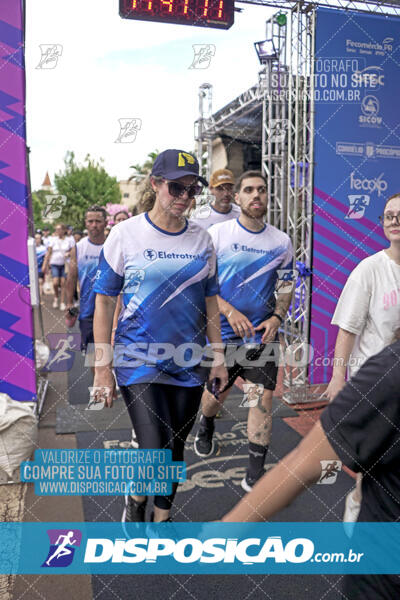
{"x": 162, "y": 416}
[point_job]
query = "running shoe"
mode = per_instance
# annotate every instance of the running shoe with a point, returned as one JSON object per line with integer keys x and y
{"x": 134, "y": 512}
{"x": 351, "y": 512}
{"x": 62, "y": 306}
{"x": 204, "y": 444}
{"x": 352, "y": 508}
{"x": 248, "y": 482}
{"x": 169, "y": 520}
{"x": 134, "y": 442}
{"x": 55, "y": 303}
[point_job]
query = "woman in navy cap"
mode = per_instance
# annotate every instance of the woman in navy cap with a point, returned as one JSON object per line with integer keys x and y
{"x": 165, "y": 267}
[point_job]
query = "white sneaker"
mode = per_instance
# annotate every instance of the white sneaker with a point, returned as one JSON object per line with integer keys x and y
{"x": 351, "y": 512}
{"x": 62, "y": 306}
{"x": 134, "y": 442}
{"x": 352, "y": 508}
{"x": 55, "y": 303}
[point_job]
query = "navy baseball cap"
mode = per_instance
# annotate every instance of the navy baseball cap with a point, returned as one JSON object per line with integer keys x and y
{"x": 173, "y": 164}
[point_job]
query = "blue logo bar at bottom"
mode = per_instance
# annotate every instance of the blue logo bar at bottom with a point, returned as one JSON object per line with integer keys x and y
{"x": 201, "y": 548}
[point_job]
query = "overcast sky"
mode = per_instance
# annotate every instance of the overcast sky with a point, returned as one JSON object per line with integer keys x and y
{"x": 111, "y": 68}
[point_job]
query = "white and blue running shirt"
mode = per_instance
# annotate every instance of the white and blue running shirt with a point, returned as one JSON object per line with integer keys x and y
{"x": 165, "y": 279}
{"x": 87, "y": 257}
{"x": 40, "y": 254}
{"x": 247, "y": 268}
{"x": 206, "y": 216}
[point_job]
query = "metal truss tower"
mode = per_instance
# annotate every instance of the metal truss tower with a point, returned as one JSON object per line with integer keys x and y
{"x": 203, "y": 130}
{"x": 287, "y": 161}
{"x": 285, "y": 94}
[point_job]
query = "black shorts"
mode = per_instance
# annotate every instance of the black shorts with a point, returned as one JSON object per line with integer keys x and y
{"x": 86, "y": 327}
{"x": 239, "y": 361}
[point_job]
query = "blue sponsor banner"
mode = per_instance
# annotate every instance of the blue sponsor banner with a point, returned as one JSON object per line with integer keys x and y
{"x": 201, "y": 548}
{"x": 357, "y": 155}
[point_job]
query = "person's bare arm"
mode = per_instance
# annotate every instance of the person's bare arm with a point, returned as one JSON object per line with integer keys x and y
{"x": 72, "y": 278}
{"x": 280, "y": 486}
{"x": 102, "y": 325}
{"x": 236, "y": 319}
{"x": 344, "y": 345}
{"x": 283, "y": 302}
{"x": 47, "y": 260}
{"x": 214, "y": 336}
{"x": 272, "y": 324}
{"x": 118, "y": 308}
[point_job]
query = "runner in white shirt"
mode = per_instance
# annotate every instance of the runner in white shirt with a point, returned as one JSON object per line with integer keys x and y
{"x": 222, "y": 208}
{"x": 249, "y": 254}
{"x": 57, "y": 253}
{"x": 46, "y": 236}
{"x": 368, "y": 315}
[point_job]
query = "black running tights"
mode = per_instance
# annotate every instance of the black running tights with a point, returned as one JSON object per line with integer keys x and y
{"x": 162, "y": 416}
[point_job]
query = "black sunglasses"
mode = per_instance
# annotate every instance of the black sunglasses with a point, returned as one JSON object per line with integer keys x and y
{"x": 177, "y": 190}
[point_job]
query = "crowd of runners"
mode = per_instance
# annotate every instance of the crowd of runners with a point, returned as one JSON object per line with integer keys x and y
{"x": 187, "y": 277}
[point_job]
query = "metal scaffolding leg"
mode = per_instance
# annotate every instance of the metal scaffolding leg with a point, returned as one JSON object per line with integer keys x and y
{"x": 287, "y": 160}
{"x": 203, "y": 130}
{"x": 300, "y": 193}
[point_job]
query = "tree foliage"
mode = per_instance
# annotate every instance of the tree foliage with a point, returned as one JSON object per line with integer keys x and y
{"x": 38, "y": 207}
{"x": 141, "y": 171}
{"x": 83, "y": 186}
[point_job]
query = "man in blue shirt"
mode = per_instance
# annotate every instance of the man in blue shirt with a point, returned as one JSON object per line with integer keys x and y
{"x": 83, "y": 266}
{"x": 249, "y": 255}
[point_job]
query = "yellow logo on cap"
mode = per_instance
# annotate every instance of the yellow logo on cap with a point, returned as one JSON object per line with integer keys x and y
{"x": 183, "y": 157}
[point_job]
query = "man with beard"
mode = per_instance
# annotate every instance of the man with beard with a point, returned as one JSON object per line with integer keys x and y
{"x": 249, "y": 254}
{"x": 222, "y": 208}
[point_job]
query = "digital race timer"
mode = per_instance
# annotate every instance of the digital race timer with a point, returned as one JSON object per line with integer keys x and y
{"x": 201, "y": 13}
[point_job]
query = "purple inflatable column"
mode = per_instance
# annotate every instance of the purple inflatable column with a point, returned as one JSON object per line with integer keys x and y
{"x": 17, "y": 368}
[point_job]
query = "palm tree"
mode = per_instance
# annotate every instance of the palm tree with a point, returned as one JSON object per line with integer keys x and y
{"x": 141, "y": 171}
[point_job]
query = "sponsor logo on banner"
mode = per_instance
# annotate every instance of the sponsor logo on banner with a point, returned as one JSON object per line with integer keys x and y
{"x": 370, "y": 48}
{"x": 357, "y": 206}
{"x": 370, "y": 78}
{"x": 368, "y": 150}
{"x": 370, "y": 110}
{"x": 63, "y": 543}
{"x": 376, "y": 184}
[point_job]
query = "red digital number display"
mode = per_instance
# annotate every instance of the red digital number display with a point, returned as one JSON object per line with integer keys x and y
{"x": 200, "y": 13}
